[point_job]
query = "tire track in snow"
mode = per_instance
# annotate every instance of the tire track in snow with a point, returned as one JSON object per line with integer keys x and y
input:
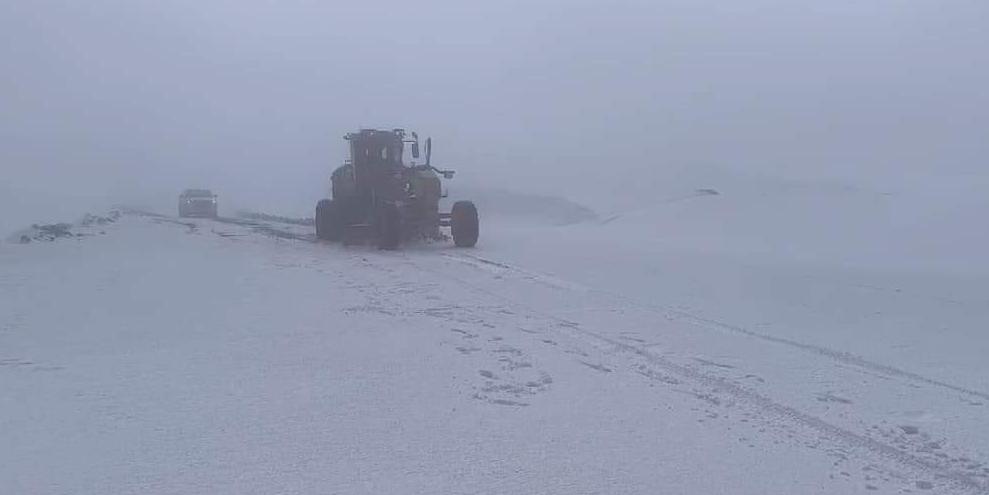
{"x": 258, "y": 226}
{"x": 843, "y": 357}
{"x": 840, "y": 356}
{"x": 929, "y": 467}
{"x": 921, "y": 465}
{"x": 836, "y": 355}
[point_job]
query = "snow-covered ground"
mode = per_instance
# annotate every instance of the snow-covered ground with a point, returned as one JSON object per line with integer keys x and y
{"x": 792, "y": 341}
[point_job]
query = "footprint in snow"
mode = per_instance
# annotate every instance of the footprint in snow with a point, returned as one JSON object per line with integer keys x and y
{"x": 544, "y": 381}
{"x": 829, "y": 397}
{"x": 713, "y": 363}
{"x": 509, "y": 364}
{"x": 464, "y": 333}
{"x": 909, "y": 429}
{"x": 599, "y": 367}
{"x": 15, "y": 362}
{"x": 755, "y": 377}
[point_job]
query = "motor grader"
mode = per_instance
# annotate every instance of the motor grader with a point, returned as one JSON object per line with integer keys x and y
{"x": 376, "y": 196}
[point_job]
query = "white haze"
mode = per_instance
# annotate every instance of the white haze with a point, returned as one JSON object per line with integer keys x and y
{"x": 750, "y": 256}
{"x": 610, "y": 104}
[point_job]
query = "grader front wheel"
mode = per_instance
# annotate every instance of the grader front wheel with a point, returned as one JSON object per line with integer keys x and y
{"x": 464, "y": 225}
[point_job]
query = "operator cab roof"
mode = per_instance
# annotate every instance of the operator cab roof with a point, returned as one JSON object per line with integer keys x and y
{"x": 198, "y": 193}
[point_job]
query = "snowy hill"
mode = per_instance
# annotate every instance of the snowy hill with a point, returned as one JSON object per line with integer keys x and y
{"x": 729, "y": 343}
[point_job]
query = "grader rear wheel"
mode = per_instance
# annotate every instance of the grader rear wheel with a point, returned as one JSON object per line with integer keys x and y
{"x": 329, "y": 221}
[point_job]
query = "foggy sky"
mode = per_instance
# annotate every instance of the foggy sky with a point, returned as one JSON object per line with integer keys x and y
{"x": 596, "y": 101}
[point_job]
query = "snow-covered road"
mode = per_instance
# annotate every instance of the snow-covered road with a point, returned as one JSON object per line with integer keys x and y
{"x": 199, "y": 356}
